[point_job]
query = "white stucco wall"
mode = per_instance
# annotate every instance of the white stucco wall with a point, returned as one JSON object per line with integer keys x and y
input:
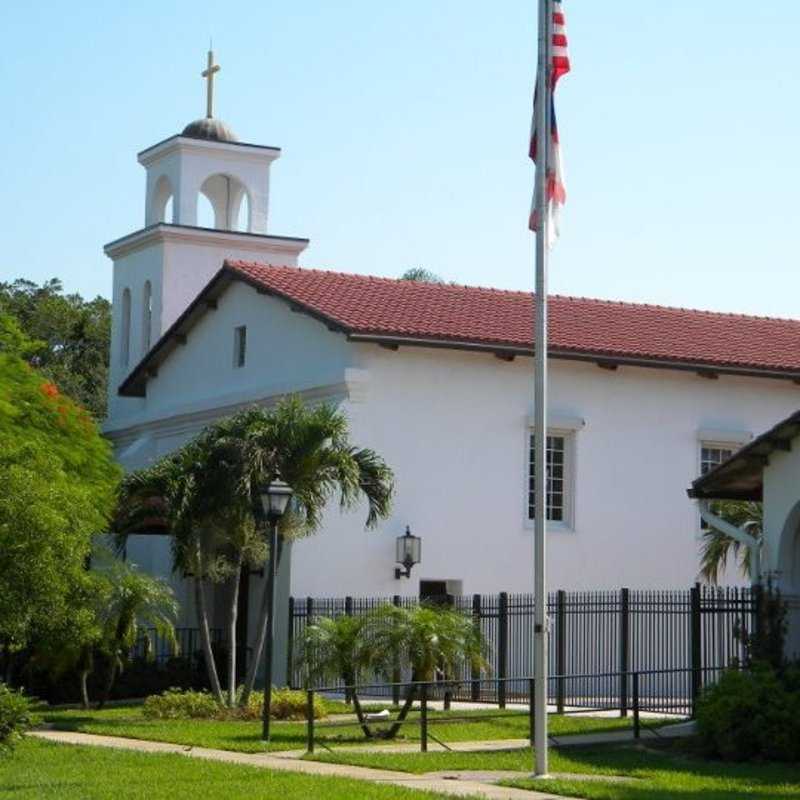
{"x": 782, "y": 517}
{"x": 178, "y": 264}
{"x": 454, "y": 427}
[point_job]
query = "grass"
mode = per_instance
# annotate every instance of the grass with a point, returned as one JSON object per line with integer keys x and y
{"x": 660, "y": 774}
{"x": 41, "y": 770}
{"x": 129, "y": 722}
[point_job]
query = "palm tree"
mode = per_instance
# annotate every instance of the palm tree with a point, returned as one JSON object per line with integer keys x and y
{"x": 716, "y": 546}
{"x": 427, "y": 638}
{"x": 208, "y": 496}
{"x": 337, "y": 649}
{"x": 137, "y": 607}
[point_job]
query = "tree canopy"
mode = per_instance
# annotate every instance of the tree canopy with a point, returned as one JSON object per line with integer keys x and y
{"x": 58, "y": 485}
{"x": 420, "y": 274}
{"x": 69, "y": 337}
{"x": 207, "y": 495}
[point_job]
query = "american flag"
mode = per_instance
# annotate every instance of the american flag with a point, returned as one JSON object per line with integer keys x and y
{"x": 555, "y": 192}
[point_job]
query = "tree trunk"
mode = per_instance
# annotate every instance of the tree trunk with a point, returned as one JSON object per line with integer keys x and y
{"x": 263, "y": 613}
{"x": 10, "y": 659}
{"x": 112, "y": 676}
{"x": 85, "y": 689}
{"x": 360, "y": 716}
{"x": 395, "y": 729}
{"x": 205, "y": 638}
{"x": 232, "y": 643}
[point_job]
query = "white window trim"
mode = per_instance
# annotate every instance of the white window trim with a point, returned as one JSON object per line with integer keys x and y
{"x": 568, "y": 428}
{"x": 709, "y": 438}
{"x": 723, "y": 438}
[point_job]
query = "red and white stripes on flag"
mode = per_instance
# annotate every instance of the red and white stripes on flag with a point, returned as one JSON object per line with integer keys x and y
{"x": 555, "y": 192}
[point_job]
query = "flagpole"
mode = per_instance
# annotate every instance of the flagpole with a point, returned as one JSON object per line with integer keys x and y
{"x": 542, "y": 125}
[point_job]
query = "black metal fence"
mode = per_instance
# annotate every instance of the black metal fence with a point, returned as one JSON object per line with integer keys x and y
{"x": 683, "y": 637}
{"x": 161, "y": 650}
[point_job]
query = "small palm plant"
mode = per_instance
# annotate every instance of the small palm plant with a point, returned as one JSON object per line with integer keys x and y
{"x": 428, "y": 639}
{"x": 337, "y": 649}
{"x": 717, "y": 547}
{"x": 138, "y": 606}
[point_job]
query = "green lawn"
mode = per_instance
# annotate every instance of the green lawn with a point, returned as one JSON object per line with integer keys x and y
{"x": 128, "y": 721}
{"x": 40, "y": 770}
{"x": 661, "y": 774}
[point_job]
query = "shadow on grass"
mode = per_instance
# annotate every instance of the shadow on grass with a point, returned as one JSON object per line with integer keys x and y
{"x": 669, "y": 771}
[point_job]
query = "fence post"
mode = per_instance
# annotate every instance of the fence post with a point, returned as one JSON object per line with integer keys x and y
{"x": 636, "y": 726}
{"x": 423, "y": 720}
{"x": 561, "y": 649}
{"x": 697, "y": 644}
{"x": 396, "y": 671}
{"x": 348, "y": 612}
{"x": 624, "y": 649}
{"x": 290, "y": 646}
{"x": 531, "y": 711}
{"x": 476, "y": 673}
{"x": 502, "y": 648}
{"x": 310, "y": 717}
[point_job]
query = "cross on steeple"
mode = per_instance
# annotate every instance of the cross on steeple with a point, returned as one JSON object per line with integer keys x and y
{"x": 208, "y": 74}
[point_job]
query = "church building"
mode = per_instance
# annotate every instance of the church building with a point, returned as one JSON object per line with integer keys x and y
{"x": 438, "y": 379}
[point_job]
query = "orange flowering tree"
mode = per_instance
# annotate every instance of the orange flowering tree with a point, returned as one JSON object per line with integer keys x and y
{"x": 58, "y": 485}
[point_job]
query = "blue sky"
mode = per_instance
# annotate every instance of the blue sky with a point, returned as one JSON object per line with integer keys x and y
{"x": 404, "y": 132}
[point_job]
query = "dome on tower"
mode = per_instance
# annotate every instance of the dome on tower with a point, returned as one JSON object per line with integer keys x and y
{"x": 209, "y": 128}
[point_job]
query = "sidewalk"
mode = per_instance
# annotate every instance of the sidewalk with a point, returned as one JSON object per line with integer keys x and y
{"x": 454, "y": 784}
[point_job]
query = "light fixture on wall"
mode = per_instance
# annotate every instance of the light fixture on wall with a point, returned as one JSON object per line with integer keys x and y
{"x": 407, "y": 553}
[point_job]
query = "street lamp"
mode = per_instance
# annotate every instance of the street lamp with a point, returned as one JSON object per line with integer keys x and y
{"x": 275, "y": 498}
{"x": 408, "y": 549}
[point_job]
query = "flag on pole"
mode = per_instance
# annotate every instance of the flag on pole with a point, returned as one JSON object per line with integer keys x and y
{"x": 555, "y": 191}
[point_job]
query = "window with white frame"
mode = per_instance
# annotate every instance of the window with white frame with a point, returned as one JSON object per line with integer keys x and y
{"x": 711, "y": 455}
{"x": 559, "y": 478}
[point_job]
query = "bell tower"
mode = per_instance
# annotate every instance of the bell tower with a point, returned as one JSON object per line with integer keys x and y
{"x": 160, "y": 268}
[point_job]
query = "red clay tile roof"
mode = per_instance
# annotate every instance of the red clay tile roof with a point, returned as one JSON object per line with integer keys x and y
{"x": 408, "y": 309}
{"x": 395, "y": 311}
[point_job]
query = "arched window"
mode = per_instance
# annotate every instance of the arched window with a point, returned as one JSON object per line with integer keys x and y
{"x": 225, "y": 195}
{"x": 147, "y": 315}
{"x": 205, "y": 212}
{"x": 162, "y": 209}
{"x": 243, "y": 222}
{"x": 125, "y": 330}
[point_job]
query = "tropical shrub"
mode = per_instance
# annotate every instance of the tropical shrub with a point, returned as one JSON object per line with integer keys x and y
{"x": 752, "y": 714}
{"x": 180, "y": 704}
{"x": 14, "y": 716}
{"x": 291, "y": 704}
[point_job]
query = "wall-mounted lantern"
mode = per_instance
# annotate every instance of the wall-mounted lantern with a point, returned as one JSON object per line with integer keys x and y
{"x": 407, "y": 553}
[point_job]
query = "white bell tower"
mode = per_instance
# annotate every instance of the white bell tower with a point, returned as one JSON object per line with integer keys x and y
{"x": 160, "y": 268}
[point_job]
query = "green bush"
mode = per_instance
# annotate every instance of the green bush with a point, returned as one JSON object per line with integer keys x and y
{"x": 179, "y": 704}
{"x": 291, "y": 704}
{"x": 14, "y": 716}
{"x": 752, "y": 714}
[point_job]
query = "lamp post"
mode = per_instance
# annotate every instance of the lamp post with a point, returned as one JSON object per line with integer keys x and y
{"x": 275, "y": 498}
{"x": 408, "y": 551}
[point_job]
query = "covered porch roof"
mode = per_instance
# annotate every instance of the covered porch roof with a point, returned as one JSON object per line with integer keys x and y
{"x": 741, "y": 477}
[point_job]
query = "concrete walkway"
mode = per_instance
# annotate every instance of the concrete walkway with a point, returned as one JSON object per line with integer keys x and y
{"x": 446, "y": 783}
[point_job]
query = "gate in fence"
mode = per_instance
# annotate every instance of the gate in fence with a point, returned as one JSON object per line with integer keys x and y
{"x": 686, "y": 637}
